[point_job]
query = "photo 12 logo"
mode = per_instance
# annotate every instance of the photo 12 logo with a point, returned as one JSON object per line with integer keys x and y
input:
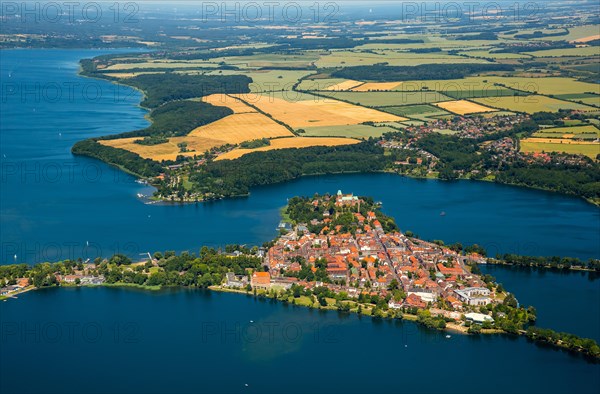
{"x": 269, "y": 11}
{"x": 69, "y": 12}
{"x": 69, "y": 332}
{"x": 267, "y": 332}
{"x": 71, "y": 92}
{"x": 56, "y": 251}
{"x": 468, "y": 11}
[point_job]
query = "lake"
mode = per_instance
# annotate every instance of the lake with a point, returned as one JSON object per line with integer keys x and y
{"x": 113, "y": 340}
{"x": 55, "y": 206}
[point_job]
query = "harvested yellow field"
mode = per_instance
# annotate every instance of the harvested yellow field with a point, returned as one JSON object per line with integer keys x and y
{"x": 224, "y": 100}
{"x": 463, "y": 107}
{"x": 232, "y": 129}
{"x": 237, "y": 128}
{"x": 319, "y": 112}
{"x": 346, "y": 85}
{"x": 167, "y": 151}
{"x": 294, "y": 142}
{"x": 588, "y": 38}
{"x": 376, "y": 86}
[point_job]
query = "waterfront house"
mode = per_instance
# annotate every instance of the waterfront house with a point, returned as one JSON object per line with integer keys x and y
{"x": 261, "y": 280}
{"x": 414, "y": 300}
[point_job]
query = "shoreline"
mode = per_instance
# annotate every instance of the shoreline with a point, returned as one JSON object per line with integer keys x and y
{"x": 450, "y": 327}
{"x": 146, "y": 116}
{"x": 495, "y": 262}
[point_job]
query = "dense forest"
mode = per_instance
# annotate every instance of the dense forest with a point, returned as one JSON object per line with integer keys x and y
{"x": 549, "y": 262}
{"x": 125, "y": 159}
{"x": 235, "y": 177}
{"x": 161, "y": 88}
{"x": 577, "y": 180}
{"x": 383, "y": 72}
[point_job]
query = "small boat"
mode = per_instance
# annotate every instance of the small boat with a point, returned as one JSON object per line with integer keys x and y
{"x": 448, "y": 336}
{"x": 251, "y": 321}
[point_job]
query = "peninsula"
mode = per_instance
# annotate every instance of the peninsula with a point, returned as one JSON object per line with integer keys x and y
{"x": 336, "y": 252}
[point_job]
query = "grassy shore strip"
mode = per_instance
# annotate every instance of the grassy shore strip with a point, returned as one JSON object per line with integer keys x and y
{"x": 365, "y": 309}
{"x": 126, "y": 285}
{"x": 533, "y": 333}
{"x": 563, "y": 341}
{"x": 546, "y": 266}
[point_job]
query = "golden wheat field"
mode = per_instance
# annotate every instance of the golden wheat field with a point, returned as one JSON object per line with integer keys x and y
{"x": 342, "y": 86}
{"x": 224, "y": 100}
{"x": 375, "y": 86}
{"x": 464, "y": 107}
{"x": 167, "y": 151}
{"x": 320, "y": 112}
{"x": 241, "y": 127}
{"x": 294, "y": 142}
{"x": 232, "y": 129}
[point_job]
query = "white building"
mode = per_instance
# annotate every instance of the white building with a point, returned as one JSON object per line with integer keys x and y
{"x": 479, "y": 317}
{"x": 474, "y": 295}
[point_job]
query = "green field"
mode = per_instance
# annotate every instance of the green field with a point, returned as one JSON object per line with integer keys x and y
{"x": 349, "y": 58}
{"x": 491, "y": 91}
{"x": 422, "y": 112}
{"x": 590, "y": 150}
{"x": 577, "y": 52}
{"x": 303, "y": 59}
{"x": 578, "y": 32}
{"x": 488, "y": 54}
{"x": 384, "y": 99}
{"x": 591, "y": 101}
{"x": 579, "y": 132}
{"x": 531, "y": 104}
{"x": 576, "y": 96}
{"x": 351, "y": 131}
{"x": 268, "y": 80}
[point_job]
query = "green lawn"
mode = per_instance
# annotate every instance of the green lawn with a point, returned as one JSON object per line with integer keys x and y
{"x": 381, "y": 99}
{"x": 350, "y": 131}
{"x": 577, "y": 130}
{"x": 530, "y": 104}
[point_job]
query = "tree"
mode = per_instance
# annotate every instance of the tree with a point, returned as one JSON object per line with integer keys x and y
{"x": 120, "y": 259}
{"x": 511, "y": 301}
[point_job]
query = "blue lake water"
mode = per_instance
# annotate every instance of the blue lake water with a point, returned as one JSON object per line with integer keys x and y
{"x": 54, "y": 206}
{"x": 113, "y": 340}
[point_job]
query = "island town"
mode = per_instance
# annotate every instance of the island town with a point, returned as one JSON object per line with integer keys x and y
{"x": 333, "y": 252}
